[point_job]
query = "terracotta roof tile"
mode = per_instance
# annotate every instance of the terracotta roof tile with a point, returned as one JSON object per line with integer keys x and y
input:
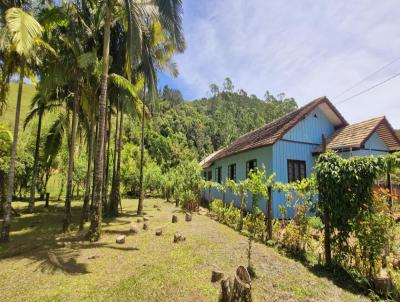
{"x": 354, "y": 136}
{"x": 270, "y": 133}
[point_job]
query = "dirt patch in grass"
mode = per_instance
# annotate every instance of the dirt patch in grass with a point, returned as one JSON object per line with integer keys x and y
{"x": 42, "y": 264}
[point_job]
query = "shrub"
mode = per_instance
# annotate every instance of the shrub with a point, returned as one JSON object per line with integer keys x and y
{"x": 316, "y": 223}
{"x": 217, "y": 208}
{"x": 254, "y": 224}
{"x": 232, "y": 216}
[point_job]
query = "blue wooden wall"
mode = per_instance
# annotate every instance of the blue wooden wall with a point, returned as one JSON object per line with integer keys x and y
{"x": 264, "y": 158}
{"x": 299, "y": 144}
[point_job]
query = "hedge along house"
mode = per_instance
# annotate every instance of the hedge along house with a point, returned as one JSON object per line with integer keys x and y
{"x": 290, "y": 145}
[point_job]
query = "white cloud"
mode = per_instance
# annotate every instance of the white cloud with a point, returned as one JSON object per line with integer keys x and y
{"x": 303, "y": 48}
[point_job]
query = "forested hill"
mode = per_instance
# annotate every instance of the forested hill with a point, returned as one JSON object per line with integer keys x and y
{"x": 178, "y": 129}
{"x": 203, "y": 126}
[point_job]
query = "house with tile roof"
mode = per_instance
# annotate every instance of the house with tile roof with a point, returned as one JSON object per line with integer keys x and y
{"x": 290, "y": 145}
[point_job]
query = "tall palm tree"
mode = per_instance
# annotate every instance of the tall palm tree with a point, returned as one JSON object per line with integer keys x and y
{"x": 76, "y": 62}
{"x": 157, "y": 51}
{"x": 137, "y": 13}
{"x": 40, "y": 104}
{"x": 23, "y": 36}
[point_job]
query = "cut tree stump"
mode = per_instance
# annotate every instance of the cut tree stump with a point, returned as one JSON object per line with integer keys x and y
{"x": 146, "y": 218}
{"x": 133, "y": 228}
{"x": 158, "y": 232}
{"x": 242, "y": 285}
{"x": 226, "y": 292}
{"x": 216, "y": 276}
{"x": 174, "y": 219}
{"x": 188, "y": 217}
{"x": 120, "y": 239}
{"x": 178, "y": 237}
{"x": 145, "y": 226}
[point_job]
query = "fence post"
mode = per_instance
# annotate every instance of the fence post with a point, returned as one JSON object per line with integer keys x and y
{"x": 269, "y": 214}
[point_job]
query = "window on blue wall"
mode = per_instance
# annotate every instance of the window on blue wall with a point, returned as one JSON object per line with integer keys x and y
{"x": 209, "y": 175}
{"x": 296, "y": 170}
{"x": 232, "y": 172}
{"x": 250, "y": 165}
{"x": 218, "y": 174}
{"x": 205, "y": 175}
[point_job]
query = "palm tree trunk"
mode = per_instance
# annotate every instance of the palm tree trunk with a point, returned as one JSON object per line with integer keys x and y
{"x": 105, "y": 158}
{"x": 95, "y": 223}
{"x": 35, "y": 165}
{"x": 116, "y": 186}
{"x": 67, "y": 207}
{"x": 94, "y": 167}
{"x": 118, "y": 177}
{"x": 3, "y": 191}
{"x": 5, "y": 230}
{"x": 141, "y": 189}
{"x": 112, "y": 210}
{"x": 85, "y": 207}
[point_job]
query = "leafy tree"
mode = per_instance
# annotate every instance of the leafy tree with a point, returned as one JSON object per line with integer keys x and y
{"x": 228, "y": 85}
{"x": 214, "y": 89}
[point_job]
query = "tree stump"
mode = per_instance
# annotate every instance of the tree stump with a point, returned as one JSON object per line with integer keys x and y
{"x": 188, "y": 217}
{"x": 158, "y": 232}
{"x": 383, "y": 285}
{"x": 174, "y": 219}
{"x": 145, "y": 226}
{"x": 146, "y": 218}
{"x": 139, "y": 220}
{"x": 120, "y": 239}
{"x": 178, "y": 237}
{"x": 225, "y": 290}
{"x": 242, "y": 285}
{"x": 133, "y": 228}
{"x": 216, "y": 276}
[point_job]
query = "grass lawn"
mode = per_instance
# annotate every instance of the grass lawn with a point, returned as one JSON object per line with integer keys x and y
{"x": 28, "y": 92}
{"x": 41, "y": 264}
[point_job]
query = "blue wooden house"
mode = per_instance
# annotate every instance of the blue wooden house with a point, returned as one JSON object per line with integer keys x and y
{"x": 289, "y": 146}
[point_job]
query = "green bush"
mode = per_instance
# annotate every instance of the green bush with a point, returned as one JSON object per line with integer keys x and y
{"x": 232, "y": 216}
{"x": 316, "y": 223}
{"x": 254, "y": 224}
{"x": 217, "y": 208}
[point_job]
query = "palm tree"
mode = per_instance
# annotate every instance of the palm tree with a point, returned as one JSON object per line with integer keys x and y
{"x": 158, "y": 48}
{"x": 73, "y": 73}
{"x": 169, "y": 13}
{"x": 23, "y": 36}
{"x": 39, "y": 105}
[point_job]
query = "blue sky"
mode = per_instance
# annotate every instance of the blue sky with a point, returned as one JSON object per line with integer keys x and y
{"x": 305, "y": 49}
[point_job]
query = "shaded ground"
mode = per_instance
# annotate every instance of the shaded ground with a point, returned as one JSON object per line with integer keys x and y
{"x": 40, "y": 264}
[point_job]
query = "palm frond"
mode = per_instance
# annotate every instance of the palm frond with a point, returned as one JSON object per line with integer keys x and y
{"x": 122, "y": 83}
{"x": 53, "y": 141}
{"x": 24, "y": 30}
{"x": 87, "y": 59}
{"x": 52, "y": 18}
{"x": 171, "y": 14}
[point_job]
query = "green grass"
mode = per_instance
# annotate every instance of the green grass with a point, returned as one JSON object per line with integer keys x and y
{"x": 42, "y": 264}
{"x": 28, "y": 92}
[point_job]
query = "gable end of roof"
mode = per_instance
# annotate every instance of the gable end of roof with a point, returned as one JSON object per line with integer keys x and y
{"x": 270, "y": 133}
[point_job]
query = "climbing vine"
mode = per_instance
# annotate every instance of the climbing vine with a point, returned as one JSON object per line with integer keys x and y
{"x": 357, "y": 221}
